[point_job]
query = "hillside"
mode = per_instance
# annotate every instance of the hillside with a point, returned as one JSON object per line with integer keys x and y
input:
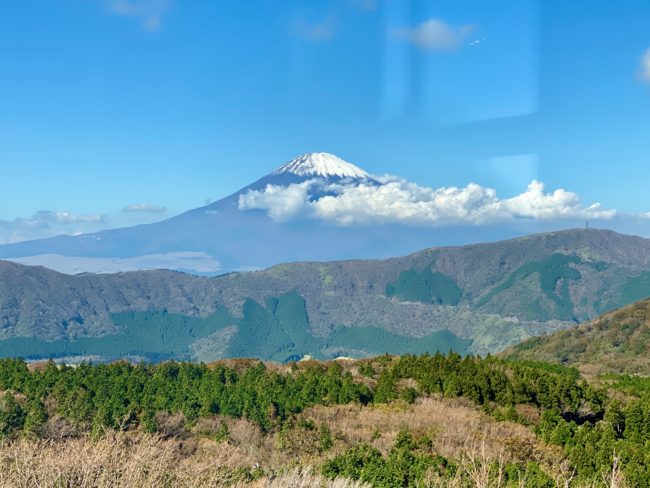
{"x": 480, "y": 298}
{"x": 617, "y": 342}
{"x": 383, "y": 421}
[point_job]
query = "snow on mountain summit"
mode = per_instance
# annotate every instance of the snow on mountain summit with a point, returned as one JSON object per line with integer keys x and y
{"x": 321, "y": 164}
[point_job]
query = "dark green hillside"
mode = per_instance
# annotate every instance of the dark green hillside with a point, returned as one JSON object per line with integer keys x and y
{"x": 278, "y": 332}
{"x": 633, "y": 290}
{"x": 291, "y": 312}
{"x": 373, "y": 341}
{"x": 156, "y": 336}
{"x": 554, "y": 270}
{"x": 259, "y": 334}
{"x": 425, "y": 287}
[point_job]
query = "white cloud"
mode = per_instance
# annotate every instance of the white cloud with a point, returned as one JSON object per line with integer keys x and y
{"x": 46, "y": 223}
{"x": 645, "y": 66}
{"x": 45, "y": 217}
{"x": 149, "y": 12}
{"x": 322, "y": 31}
{"x": 144, "y": 207}
{"x": 436, "y": 34}
{"x": 281, "y": 203}
{"x": 399, "y": 201}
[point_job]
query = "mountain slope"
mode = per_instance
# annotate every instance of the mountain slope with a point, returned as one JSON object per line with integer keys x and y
{"x": 222, "y": 232}
{"x": 618, "y": 342}
{"x": 301, "y": 212}
{"x": 235, "y": 233}
{"x": 487, "y": 296}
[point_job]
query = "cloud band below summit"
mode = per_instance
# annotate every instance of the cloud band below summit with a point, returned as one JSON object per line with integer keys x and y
{"x": 400, "y": 201}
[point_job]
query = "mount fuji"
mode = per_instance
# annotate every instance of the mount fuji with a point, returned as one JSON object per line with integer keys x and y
{"x": 322, "y": 167}
{"x": 225, "y": 236}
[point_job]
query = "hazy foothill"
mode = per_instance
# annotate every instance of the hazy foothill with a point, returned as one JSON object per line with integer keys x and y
{"x": 474, "y": 299}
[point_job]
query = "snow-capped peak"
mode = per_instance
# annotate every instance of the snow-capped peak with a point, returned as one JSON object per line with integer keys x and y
{"x": 321, "y": 164}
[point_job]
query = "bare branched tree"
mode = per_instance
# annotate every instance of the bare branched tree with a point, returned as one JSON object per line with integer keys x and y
{"x": 615, "y": 478}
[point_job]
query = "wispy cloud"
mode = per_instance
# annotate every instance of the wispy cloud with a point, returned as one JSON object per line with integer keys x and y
{"x": 144, "y": 207}
{"x": 322, "y": 31}
{"x": 645, "y": 66}
{"x": 399, "y": 201}
{"x": 43, "y": 217}
{"x": 46, "y": 223}
{"x": 436, "y": 34}
{"x": 149, "y": 12}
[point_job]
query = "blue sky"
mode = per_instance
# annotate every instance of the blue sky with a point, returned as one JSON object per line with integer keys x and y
{"x": 106, "y": 104}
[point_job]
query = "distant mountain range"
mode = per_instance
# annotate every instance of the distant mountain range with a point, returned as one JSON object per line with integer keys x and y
{"x": 228, "y": 236}
{"x": 479, "y": 298}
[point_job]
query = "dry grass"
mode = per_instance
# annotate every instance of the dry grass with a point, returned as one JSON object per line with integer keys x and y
{"x": 454, "y": 425}
{"x": 126, "y": 460}
{"x": 177, "y": 457}
{"x": 117, "y": 460}
{"x": 245, "y": 446}
{"x": 305, "y": 478}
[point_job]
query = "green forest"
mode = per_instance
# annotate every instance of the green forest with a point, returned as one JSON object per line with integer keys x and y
{"x": 278, "y": 331}
{"x": 593, "y": 425}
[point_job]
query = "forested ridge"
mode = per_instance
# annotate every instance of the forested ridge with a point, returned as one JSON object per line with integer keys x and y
{"x": 489, "y": 296}
{"x": 617, "y": 342}
{"x": 600, "y": 429}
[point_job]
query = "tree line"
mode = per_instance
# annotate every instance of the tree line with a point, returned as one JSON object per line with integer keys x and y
{"x": 591, "y": 426}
